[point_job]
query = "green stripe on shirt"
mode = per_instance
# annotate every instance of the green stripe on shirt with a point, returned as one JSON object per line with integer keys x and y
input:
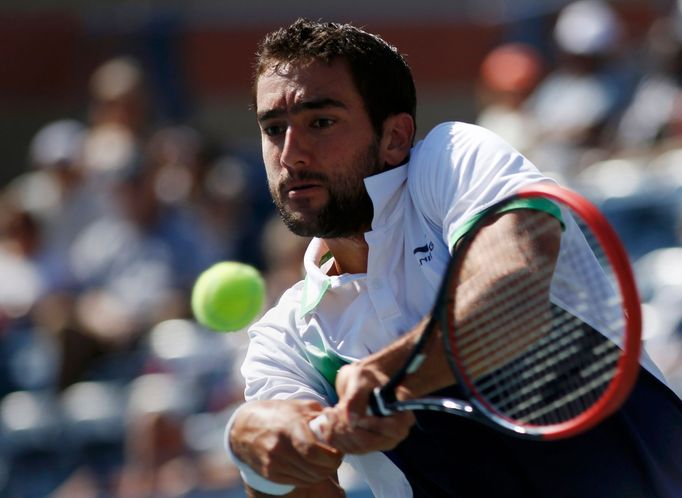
{"x": 536, "y": 203}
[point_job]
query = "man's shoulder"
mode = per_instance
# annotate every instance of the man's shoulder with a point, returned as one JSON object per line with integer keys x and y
{"x": 443, "y": 146}
{"x": 283, "y": 309}
{"x": 281, "y": 319}
{"x": 455, "y": 144}
{"x": 290, "y": 299}
{"x": 456, "y": 132}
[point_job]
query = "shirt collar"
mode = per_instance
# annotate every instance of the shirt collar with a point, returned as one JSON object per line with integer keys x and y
{"x": 316, "y": 279}
{"x": 382, "y": 189}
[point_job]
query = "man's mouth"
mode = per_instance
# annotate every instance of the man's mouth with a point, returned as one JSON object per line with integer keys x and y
{"x": 296, "y": 189}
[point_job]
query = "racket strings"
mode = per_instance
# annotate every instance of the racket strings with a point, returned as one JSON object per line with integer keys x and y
{"x": 554, "y": 380}
{"x": 539, "y": 401}
{"x": 531, "y": 361}
{"x": 547, "y": 352}
{"x": 584, "y": 395}
{"x": 508, "y": 320}
{"x": 510, "y": 302}
{"x": 486, "y": 355}
{"x": 597, "y": 290}
{"x": 503, "y": 306}
{"x": 514, "y": 387}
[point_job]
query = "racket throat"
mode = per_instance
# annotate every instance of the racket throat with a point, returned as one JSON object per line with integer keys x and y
{"x": 382, "y": 406}
{"x": 379, "y": 402}
{"x": 415, "y": 363}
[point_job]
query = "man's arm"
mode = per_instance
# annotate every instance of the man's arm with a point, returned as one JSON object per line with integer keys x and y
{"x": 350, "y": 429}
{"x": 273, "y": 438}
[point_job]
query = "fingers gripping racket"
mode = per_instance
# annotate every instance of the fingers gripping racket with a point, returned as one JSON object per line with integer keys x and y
{"x": 545, "y": 349}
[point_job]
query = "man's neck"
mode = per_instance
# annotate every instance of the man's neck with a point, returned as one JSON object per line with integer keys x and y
{"x": 350, "y": 254}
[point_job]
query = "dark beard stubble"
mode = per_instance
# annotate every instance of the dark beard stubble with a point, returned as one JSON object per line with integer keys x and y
{"x": 348, "y": 211}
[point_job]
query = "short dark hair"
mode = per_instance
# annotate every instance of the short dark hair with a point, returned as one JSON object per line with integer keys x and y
{"x": 380, "y": 72}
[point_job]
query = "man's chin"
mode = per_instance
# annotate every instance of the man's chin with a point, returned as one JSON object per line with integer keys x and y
{"x": 327, "y": 223}
{"x": 299, "y": 224}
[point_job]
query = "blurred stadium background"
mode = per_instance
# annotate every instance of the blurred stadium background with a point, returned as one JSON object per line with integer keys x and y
{"x": 130, "y": 162}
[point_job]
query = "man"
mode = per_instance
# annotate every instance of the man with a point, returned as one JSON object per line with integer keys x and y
{"x": 336, "y": 109}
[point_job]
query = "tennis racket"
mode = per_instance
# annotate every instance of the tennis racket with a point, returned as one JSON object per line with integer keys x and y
{"x": 544, "y": 353}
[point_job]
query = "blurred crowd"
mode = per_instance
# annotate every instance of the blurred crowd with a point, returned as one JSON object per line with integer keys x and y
{"x": 601, "y": 111}
{"x": 109, "y": 388}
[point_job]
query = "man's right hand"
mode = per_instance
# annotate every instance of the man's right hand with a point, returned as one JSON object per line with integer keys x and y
{"x": 274, "y": 439}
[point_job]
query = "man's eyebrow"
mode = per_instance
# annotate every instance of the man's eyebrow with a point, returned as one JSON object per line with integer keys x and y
{"x": 305, "y": 105}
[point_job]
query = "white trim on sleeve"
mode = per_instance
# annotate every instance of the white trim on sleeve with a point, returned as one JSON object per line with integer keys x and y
{"x": 250, "y": 476}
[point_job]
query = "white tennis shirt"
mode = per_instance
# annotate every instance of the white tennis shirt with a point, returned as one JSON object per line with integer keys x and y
{"x": 320, "y": 323}
{"x": 456, "y": 171}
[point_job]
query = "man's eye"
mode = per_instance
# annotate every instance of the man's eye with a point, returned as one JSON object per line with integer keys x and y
{"x": 273, "y": 130}
{"x": 323, "y": 123}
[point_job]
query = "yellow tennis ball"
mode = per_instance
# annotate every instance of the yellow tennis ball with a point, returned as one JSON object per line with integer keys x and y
{"x": 228, "y": 296}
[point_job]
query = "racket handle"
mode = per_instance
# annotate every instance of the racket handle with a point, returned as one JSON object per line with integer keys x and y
{"x": 377, "y": 405}
{"x": 316, "y": 425}
{"x": 318, "y": 422}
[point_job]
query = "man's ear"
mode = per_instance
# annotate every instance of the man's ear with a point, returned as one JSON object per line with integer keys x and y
{"x": 397, "y": 138}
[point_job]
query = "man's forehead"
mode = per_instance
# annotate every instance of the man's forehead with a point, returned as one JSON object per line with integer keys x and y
{"x": 288, "y": 85}
{"x": 301, "y": 67}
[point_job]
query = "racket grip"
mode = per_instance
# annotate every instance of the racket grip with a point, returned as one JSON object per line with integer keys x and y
{"x": 318, "y": 422}
{"x": 377, "y": 405}
{"x": 316, "y": 425}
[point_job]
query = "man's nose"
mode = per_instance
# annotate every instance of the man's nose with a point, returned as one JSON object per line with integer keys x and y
{"x": 296, "y": 149}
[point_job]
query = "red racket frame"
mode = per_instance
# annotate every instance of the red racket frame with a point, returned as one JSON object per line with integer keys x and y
{"x": 628, "y": 364}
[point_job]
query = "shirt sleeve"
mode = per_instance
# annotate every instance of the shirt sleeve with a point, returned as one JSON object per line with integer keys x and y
{"x": 461, "y": 169}
{"x": 275, "y": 365}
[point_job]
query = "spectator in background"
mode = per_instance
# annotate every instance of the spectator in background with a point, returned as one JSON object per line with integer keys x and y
{"x": 45, "y": 210}
{"x": 508, "y": 75}
{"x": 175, "y": 157}
{"x": 157, "y": 458}
{"x": 583, "y": 95}
{"x": 100, "y": 241}
{"x": 119, "y": 116}
{"x": 134, "y": 266}
{"x": 22, "y": 284}
{"x": 119, "y": 95}
{"x": 210, "y": 190}
{"x": 655, "y": 112}
{"x": 27, "y": 355}
{"x": 71, "y": 189}
{"x": 127, "y": 243}
{"x": 60, "y": 192}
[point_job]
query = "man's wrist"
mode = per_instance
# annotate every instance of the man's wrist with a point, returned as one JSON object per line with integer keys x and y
{"x": 260, "y": 483}
{"x": 252, "y": 478}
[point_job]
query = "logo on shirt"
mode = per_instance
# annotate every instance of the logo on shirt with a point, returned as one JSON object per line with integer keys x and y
{"x": 424, "y": 253}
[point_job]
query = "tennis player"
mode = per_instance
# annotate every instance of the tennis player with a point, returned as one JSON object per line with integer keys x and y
{"x": 336, "y": 110}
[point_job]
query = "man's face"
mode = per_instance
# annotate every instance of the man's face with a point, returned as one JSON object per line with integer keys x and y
{"x": 318, "y": 146}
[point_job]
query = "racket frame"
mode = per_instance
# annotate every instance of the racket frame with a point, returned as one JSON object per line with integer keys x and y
{"x": 383, "y": 401}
